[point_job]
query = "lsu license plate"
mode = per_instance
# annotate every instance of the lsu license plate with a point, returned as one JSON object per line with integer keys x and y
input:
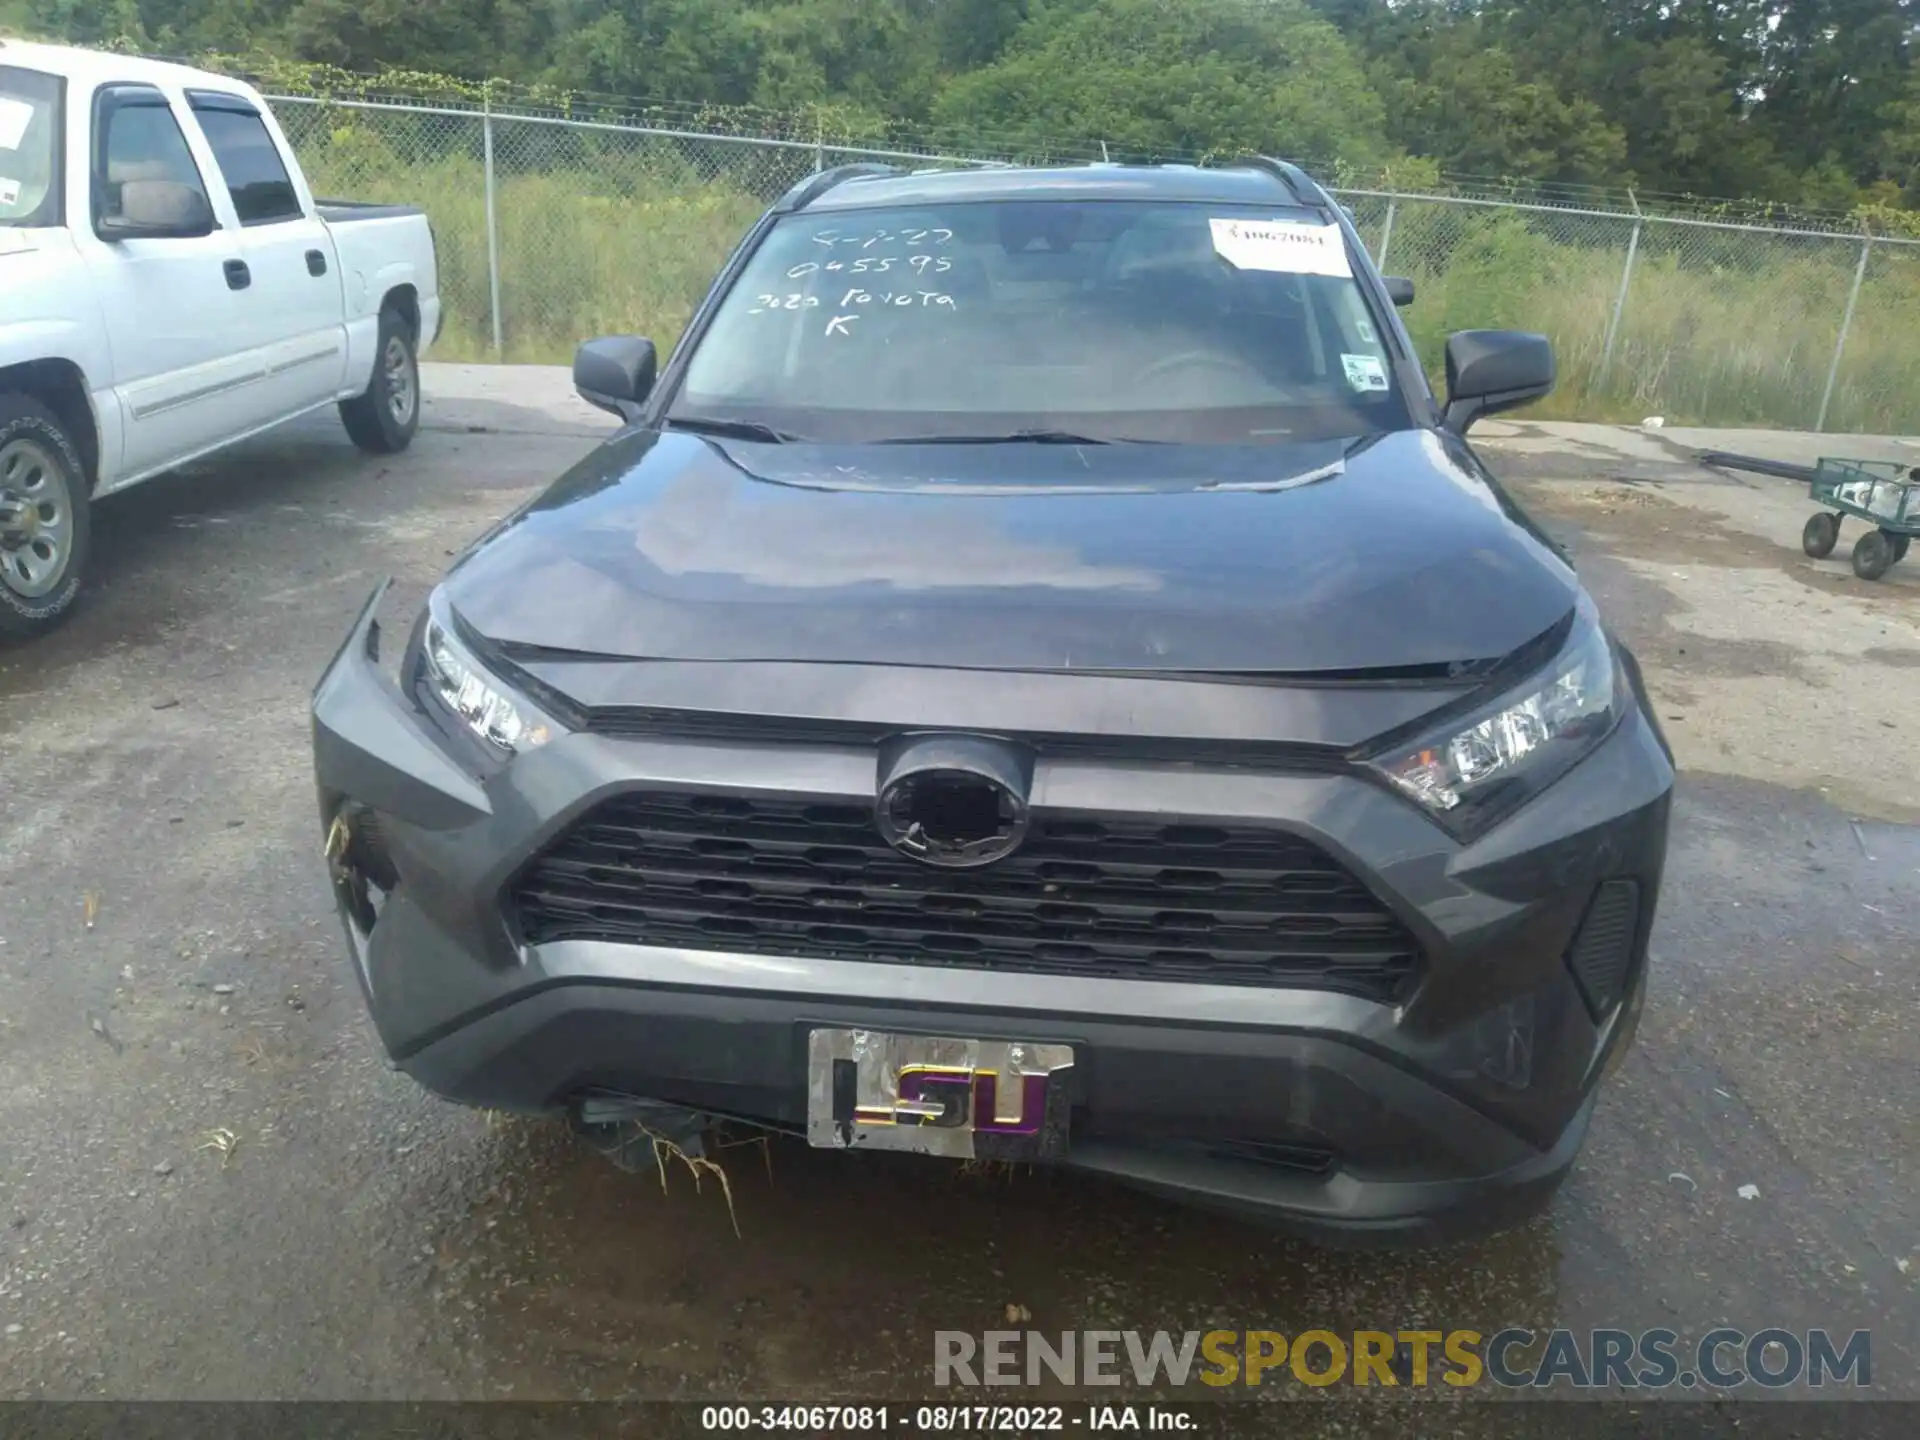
{"x": 929, "y": 1095}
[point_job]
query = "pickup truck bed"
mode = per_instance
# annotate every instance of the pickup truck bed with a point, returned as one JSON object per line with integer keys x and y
{"x": 348, "y": 212}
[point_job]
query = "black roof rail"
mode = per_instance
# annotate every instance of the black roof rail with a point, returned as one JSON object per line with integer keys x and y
{"x": 814, "y": 186}
{"x": 1300, "y": 185}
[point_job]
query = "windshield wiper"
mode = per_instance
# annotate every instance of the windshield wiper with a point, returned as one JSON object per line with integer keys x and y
{"x": 1014, "y": 437}
{"x": 734, "y": 429}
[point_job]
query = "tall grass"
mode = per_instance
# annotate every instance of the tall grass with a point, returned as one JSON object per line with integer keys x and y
{"x": 1718, "y": 328}
{"x": 602, "y": 233}
{"x": 621, "y": 243}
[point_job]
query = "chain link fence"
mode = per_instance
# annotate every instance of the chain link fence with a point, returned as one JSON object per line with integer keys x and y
{"x": 553, "y": 229}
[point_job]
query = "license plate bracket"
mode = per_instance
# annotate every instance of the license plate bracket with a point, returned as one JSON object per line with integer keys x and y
{"x": 937, "y": 1095}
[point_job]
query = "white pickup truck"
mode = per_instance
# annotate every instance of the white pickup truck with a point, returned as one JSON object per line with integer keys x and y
{"x": 168, "y": 286}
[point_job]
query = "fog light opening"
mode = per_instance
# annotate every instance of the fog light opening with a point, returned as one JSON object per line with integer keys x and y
{"x": 1497, "y": 1047}
{"x": 360, "y": 866}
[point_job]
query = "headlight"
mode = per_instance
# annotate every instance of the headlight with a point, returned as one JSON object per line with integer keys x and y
{"x": 451, "y": 676}
{"x": 1478, "y": 767}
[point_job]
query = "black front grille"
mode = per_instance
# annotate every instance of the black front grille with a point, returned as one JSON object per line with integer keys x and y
{"x": 1084, "y": 895}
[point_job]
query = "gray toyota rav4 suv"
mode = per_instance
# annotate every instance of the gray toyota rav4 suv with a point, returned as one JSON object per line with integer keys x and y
{"x": 1037, "y": 676}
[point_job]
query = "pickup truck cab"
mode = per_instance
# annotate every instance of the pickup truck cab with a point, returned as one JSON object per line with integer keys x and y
{"x": 168, "y": 286}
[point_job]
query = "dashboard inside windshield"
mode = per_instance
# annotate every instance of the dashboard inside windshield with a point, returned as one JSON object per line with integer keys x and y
{"x": 1117, "y": 320}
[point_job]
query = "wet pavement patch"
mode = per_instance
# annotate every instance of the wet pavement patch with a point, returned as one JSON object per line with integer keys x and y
{"x": 1901, "y": 657}
{"x": 1695, "y": 655}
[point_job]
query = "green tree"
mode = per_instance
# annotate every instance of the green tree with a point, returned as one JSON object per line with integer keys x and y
{"x": 1161, "y": 76}
{"x": 457, "y": 36}
{"x": 1466, "y": 103}
{"x": 1804, "y": 101}
{"x": 879, "y": 54}
{"x": 970, "y": 34}
{"x": 1757, "y": 97}
{"x": 1898, "y": 157}
{"x": 694, "y": 50}
{"x": 1832, "y": 69}
{"x": 1687, "y": 128}
{"x": 88, "y": 22}
{"x": 162, "y": 26}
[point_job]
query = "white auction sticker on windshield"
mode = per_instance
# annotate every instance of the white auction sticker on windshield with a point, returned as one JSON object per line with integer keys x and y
{"x": 9, "y": 192}
{"x": 15, "y": 116}
{"x": 1365, "y": 372}
{"x": 1292, "y": 247}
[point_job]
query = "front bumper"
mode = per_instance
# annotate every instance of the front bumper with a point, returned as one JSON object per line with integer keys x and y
{"x": 1460, "y": 1107}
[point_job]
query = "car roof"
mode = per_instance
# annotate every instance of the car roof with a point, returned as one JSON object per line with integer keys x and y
{"x": 100, "y": 67}
{"x": 1248, "y": 184}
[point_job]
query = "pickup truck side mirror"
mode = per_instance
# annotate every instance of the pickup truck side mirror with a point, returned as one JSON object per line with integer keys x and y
{"x": 616, "y": 373}
{"x": 1493, "y": 370}
{"x": 1399, "y": 289}
{"x": 158, "y": 210}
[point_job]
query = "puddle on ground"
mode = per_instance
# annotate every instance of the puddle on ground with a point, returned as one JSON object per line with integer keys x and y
{"x": 1695, "y": 655}
{"x": 1900, "y": 657}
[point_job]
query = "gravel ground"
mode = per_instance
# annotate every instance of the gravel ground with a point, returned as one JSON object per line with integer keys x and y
{"x": 212, "y": 1187}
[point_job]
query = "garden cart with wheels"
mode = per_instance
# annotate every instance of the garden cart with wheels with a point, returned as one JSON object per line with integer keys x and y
{"x": 1884, "y": 493}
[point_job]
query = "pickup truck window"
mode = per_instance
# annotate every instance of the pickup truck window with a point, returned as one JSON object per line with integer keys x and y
{"x": 30, "y": 160}
{"x": 256, "y": 177}
{"x": 137, "y": 138}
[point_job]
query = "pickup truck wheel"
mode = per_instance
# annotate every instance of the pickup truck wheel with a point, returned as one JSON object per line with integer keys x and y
{"x": 383, "y": 419}
{"x": 44, "y": 530}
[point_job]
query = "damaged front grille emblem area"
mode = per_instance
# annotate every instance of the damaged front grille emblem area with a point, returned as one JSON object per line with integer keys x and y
{"x": 955, "y": 801}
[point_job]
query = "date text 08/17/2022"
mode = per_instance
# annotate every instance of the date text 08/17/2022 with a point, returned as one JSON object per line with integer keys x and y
{"x": 947, "y": 1419}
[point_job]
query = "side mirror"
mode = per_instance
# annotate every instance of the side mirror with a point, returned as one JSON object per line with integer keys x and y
{"x": 158, "y": 210}
{"x": 616, "y": 373}
{"x": 1493, "y": 370}
{"x": 1399, "y": 289}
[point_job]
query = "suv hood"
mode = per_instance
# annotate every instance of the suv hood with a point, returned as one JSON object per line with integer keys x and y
{"x": 1399, "y": 553}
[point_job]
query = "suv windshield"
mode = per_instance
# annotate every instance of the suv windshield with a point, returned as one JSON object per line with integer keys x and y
{"x": 29, "y": 147}
{"x": 1109, "y": 320}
